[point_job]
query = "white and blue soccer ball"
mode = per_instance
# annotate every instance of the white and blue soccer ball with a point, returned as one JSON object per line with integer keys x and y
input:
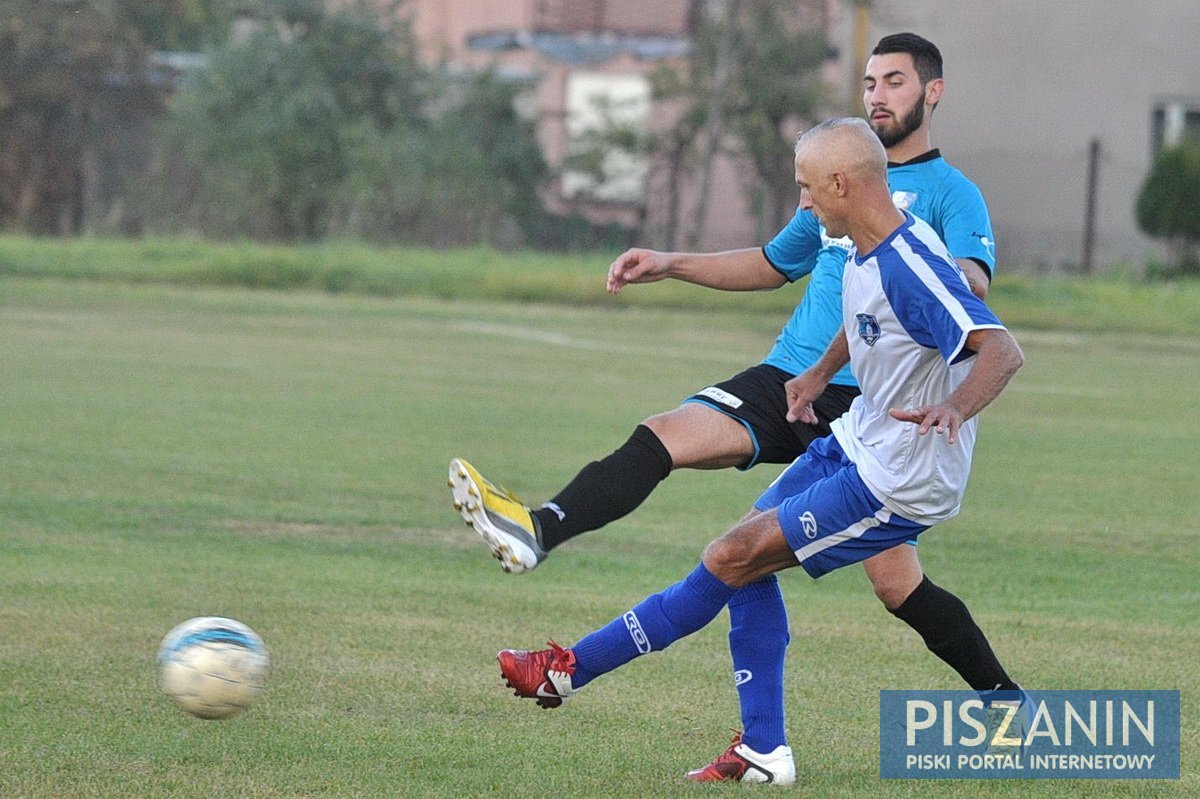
{"x": 212, "y": 667}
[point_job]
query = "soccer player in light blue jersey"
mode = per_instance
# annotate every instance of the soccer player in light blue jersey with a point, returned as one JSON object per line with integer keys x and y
{"x": 928, "y": 354}
{"x": 742, "y": 421}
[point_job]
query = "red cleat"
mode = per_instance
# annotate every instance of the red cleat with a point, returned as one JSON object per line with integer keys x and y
{"x": 544, "y": 675}
{"x": 740, "y": 763}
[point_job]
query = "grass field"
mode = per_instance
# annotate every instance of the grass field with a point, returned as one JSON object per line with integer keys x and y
{"x": 1103, "y": 303}
{"x": 280, "y": 458}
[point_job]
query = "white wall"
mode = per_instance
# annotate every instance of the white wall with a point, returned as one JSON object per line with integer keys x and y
{"x": 1029, "y": 84}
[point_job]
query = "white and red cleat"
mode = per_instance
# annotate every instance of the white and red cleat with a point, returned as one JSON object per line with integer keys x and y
{"x": 740, "y": 763}
{"x": 543, "y": 675}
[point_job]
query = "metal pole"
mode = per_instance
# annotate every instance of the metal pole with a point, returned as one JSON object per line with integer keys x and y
{"x": 1089, "y": 214}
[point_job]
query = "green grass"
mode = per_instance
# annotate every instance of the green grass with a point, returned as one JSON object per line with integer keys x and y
{"x": 1097, "y": 305}
{"x": 280, "y": 458}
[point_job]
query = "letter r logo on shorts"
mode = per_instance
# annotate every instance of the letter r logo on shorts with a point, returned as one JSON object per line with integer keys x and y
{"x": 808, "y": 523}
{"x": 636, "y": 632}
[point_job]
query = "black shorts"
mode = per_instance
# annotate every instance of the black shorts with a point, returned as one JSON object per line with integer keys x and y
{"x": 757, "y": 399}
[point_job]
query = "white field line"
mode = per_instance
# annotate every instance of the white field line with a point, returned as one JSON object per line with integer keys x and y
{"x": 558, "y": 339}
{"x": 573, "y": 342}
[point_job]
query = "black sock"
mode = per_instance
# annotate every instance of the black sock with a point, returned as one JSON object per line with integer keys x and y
{"x": 946, "y": 626}
{"x": 605, "y": 490}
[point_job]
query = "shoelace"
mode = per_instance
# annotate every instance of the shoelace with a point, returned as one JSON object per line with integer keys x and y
{"x": 501, "y": 491}
{"x": 560, "y": 659}
{"x": 729, "y": 756}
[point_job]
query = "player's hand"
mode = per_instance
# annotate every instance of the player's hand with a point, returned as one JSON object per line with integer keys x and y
{"x": 637, "y": 266}
{"x": 938, "y": 418}
{"x": 802, "y": 390}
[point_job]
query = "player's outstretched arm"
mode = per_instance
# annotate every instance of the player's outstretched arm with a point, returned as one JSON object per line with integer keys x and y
{"x": 997, "y": 359}
{"x": 733, "y": 270}
{"x": 638, "y": 266}
{"x": 803, "y": 389}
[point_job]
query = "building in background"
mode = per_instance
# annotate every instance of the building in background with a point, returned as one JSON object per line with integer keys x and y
{"x": 1054, "y": 109}
{"x": 587, "y": 63}
{"x": 1030, "y": 86}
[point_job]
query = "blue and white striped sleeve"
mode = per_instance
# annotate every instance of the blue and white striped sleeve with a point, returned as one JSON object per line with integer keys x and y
{"x": 932, "y": 299}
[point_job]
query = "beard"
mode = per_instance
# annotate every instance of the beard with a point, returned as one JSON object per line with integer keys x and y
{"x": 892, "y": 134}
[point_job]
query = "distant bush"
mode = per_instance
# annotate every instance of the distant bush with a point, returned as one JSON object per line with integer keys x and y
{"x": 1168, "y": 206}
{"x": 574, "y": 233}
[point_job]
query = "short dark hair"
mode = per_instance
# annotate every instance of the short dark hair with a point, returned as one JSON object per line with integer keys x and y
{"x": 926, "y": 57}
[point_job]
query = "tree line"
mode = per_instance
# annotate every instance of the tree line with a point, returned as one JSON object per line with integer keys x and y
{"x": 309, "y": 122}
{"x": 318, "y": 120}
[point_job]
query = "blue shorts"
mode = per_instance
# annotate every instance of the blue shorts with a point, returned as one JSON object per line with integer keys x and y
{"x": 828, "y": 515}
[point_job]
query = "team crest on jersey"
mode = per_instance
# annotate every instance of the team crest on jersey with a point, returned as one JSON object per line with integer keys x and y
{"x": 904, "y": 199}
{"x": 868, "y": 328}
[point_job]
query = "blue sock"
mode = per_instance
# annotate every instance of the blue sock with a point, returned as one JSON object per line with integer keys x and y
{"x": 655, "y": 623}
{"x": 758, "y": 640}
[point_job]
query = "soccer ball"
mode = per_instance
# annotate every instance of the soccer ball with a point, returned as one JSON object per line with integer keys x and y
{"x": 212, "y": 667}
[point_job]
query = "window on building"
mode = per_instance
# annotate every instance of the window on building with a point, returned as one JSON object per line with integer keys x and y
{"x": 1175, "y": 120}
{"x": 606, "y": 119}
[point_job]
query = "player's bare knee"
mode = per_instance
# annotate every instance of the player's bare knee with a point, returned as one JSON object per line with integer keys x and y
{"x": 716, "y": 558}
{"x": 894, "y": 574}
{"x": 891, "y": 592}
{"x": 728, "y": 560}
{"x": 664, "y": 425}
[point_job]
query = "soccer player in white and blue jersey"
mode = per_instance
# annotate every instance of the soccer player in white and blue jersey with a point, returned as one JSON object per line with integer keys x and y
{"x": 928, "y": 354}
{"x": 741, "y": 421}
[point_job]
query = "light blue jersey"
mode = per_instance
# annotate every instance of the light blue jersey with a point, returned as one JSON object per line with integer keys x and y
{"x": 927, "y": 187}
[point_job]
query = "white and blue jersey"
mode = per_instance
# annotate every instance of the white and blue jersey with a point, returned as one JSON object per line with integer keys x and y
{"x": 930, "y": 189}
{"x": 908, "y": 311}
{"x": 876, "y": 483}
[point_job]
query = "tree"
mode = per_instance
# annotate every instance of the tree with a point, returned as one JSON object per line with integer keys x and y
{"x": 778, "y": 88}
{"x": 751, "y": 81}
{"x": 1168, "y": 205}
{"x": 323, "y": 123}
{"x": 726, "y": 40}
{"x": 467, "y": 171}
{"x": 181, "y": 25}
{"x": 73, "y": 84}
{"x": 270, "y": 126}
{"x": 513, "y": 165}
